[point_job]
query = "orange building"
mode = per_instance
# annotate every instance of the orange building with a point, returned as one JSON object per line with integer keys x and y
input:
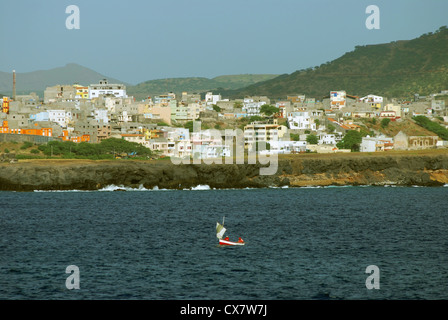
{"x": 77, "y": 139}
{"x": 5, "y": 105}
{"x": 46, "y": 132}
{"x": 4, "y": 128}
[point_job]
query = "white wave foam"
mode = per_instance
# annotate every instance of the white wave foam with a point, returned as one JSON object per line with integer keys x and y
{"x": 200, "y": 187}
{"x": 113, "y": 187}
{"x": 156, "y": 188}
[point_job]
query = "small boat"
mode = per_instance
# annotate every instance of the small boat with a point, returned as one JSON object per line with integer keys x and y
{"x": 220, "y": 230}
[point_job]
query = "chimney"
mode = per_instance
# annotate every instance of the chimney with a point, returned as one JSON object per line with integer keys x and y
{"x": 14, "y": 85}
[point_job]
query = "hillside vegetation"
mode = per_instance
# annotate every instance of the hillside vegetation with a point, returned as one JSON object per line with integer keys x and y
{"x": 397, "y": 69}
{"x": 432, "y": 126}
{"x": 107, "y": 149}
{"x": 195, "y": 84}
{"x": 408, "y": 126}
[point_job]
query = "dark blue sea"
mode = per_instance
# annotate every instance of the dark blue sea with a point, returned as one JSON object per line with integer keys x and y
{"x": 301, "y": 243}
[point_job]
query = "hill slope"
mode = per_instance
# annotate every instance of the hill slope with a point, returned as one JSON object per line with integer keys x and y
{"x": 40, "y": 80}
{"x": 195, "y": 84}
{"x": 396, "y": 69}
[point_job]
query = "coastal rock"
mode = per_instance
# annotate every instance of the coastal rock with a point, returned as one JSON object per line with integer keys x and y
{"x": 293, "y": 171}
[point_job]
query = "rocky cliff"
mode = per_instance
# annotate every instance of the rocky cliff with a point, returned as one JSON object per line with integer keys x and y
{"x": 295, "y": 171}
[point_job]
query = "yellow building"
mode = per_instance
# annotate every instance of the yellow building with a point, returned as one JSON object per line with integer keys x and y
{"x": 255, "y": 132}
{"x": 395, "y": 108}
{"x": 5, "y": 105}
{"x": 81, "y": 92}
{"x": 152, "y": 134}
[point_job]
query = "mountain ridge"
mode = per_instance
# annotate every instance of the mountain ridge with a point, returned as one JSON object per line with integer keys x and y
{"x": 395, "y": 69}
{"x": 196, "y": 84}
{"x": 39, "y": 80}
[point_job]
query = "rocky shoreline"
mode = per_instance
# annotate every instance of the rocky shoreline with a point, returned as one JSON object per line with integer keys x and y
{"x": 293, "y": 171}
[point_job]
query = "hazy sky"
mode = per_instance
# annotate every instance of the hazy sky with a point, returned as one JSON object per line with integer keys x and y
{"x": 137, "y": 40}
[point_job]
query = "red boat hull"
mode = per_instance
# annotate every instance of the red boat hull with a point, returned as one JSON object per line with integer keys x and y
{"x": 223, "y": 242}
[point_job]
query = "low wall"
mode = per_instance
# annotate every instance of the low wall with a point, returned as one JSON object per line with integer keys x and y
{"x": 9, "y": 137}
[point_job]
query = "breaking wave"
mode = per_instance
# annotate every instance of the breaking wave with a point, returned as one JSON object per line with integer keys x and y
{"x": 200, "y": 187}
{"x": 113, "y": 187}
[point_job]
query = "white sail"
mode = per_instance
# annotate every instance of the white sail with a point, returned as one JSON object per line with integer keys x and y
{"x": 220, "y": 230}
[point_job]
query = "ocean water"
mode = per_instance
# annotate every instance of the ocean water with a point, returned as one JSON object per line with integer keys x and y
{"x": 301, "y": 243}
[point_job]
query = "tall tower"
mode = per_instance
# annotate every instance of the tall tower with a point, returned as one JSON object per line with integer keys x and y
{"x": 14, "y": 85}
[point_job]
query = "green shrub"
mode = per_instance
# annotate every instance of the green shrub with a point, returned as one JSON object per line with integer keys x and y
{"x": 385, "y": 122}
{"x": 84, "y": 150}
{"x": 352, "y": 140}
{"x": 268, "y": 109}
{"x": 26, "y": 145}
{"x": 312, "y": 139}
{"x": 438, "y": 129}
{"x": 28, "y": 156}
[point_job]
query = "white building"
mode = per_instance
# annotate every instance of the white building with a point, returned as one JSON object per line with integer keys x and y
{"x": 257, "y": 132}
{"x": 124, "y": 117}
{"x": 252, "y": 107}
{"x": 211, "y": 99}
{"x": 106, "y": 88}
{"x": 373, "y": 144}
{"x": 101, "y": 115}
{"x": 182, "y": 149}
{"x": 179, "y": 143}
{"x": 208, "y": 144}
{"x": 300, "y": 121}
{"x": 372, "y": 99}
{"x": 177, "y": 134}
{"x": 61, "y": 117}
{"x": 337, "y": 99}
{"x": 286, "y": 147}
{"x": 215, "y": 151}
{"x": 328, "y": 138}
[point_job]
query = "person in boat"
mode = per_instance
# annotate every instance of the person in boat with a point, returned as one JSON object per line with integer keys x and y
{"x": 240, "y": 240}
{"x": 226, "y": 238}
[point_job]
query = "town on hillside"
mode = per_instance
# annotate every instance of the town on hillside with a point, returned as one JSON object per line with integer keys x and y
{"x": 340, "y": 122}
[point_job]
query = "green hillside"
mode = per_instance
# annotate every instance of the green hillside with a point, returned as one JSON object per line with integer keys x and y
{"x": 195, "y": 84}
{"x": 396, "y": 69}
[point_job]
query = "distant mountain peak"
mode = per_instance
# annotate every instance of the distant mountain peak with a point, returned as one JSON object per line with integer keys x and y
{"x": 39, "y": 80}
